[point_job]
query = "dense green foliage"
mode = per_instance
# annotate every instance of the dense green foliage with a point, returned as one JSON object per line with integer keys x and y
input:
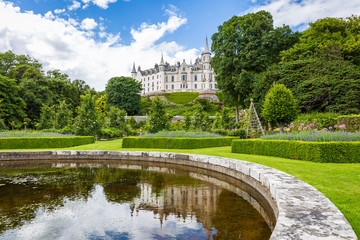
{"x": 181, "y": 97}
{"x": 326, "y": 34}
{"x": 124, "y": 93}
{"x": 159, "y": 120}
{"x": 243, "y": 46}
{"x": 25, "y": 88}
{"x": 330, "y": 152}
{"x": 43, "y": 142}
{"x": 88, "y": 122}
{"x": 280, "y": 107}
{"x": 322, "y": 70}
{"x": 175, "y": 143}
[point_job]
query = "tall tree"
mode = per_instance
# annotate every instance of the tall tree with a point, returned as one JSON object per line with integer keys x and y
{"x": 124, "y": 93}
{"x": 159, "y": 120}
{"x": 245, "y": 45}
{"x": 87, "y": 122}
{"x": 12, "y": 105}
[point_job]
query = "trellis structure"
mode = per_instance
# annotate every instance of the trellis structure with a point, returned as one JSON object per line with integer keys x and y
{"x": 254, "y": 127}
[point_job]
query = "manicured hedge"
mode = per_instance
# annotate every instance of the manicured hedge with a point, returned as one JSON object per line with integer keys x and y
{"x": 330, "y": 152}
{"x": 43, "y": 142}
{"x": 181, "y": 97}
{"x": 175, "y": 143}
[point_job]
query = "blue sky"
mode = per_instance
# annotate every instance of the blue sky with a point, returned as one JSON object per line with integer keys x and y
{"x": 94, "y": 40}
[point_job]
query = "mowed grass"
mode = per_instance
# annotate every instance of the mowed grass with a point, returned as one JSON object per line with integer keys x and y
{"x": 339, "y": 182}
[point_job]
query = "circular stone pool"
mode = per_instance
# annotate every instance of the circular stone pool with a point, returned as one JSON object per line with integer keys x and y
{"x": 300, "y": 210}
{"x": 127, "y": 200}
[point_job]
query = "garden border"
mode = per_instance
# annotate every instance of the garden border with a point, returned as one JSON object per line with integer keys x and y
{"x": 302, "y": 211}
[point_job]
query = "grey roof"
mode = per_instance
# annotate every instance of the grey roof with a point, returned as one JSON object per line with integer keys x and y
{"x": 133, "y": 70}
{"x": 206, "y": 49}
{"x": 162, "y": 60}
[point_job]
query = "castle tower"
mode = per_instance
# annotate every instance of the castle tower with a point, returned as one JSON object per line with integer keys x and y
{"x": 133, "y": 72}
{"x": 205, "y": 58}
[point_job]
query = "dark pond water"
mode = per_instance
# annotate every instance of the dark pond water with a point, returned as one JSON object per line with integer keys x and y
{"x": 123, "y": 201}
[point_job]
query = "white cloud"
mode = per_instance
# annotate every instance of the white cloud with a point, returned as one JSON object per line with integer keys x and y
{"x": 103, "y": 3}
{"x": 61, "y": 44}
{"x": 74, "y": 6}
{"x": 294, "y": 13}
{"x": 58, "y": 11}
{"x": 88, "y": 24}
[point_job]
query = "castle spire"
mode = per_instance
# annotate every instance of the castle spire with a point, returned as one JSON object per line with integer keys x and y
{"x": 133, "y": 69}
{"x": 206, "y": 49}
{"x": 162, "y": 60}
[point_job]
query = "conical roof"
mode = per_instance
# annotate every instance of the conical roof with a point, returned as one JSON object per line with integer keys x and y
{"x": 206, "y": 49}
{"x": 162, "y": 60}
{"x": 133, "y": 69}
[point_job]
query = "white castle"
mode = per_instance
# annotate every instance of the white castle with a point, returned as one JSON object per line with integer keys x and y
{"x": 197, "y": 77}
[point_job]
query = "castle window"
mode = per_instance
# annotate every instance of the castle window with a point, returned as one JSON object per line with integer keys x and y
{"x": 172, "y": 78}
{"x": 166, "y": 86}
{"x": 186, "y": 86}
{"x": 166, "y": 79}
{"x": 184, "y": 77}
{"x": 195, "y": 85}
{"x": 195, "y": 77}
{"x": 210, "y": 86}
{"x": 180, "y": 85}
{"x": 172, "y": 86}
{"x": 183, "y": 69}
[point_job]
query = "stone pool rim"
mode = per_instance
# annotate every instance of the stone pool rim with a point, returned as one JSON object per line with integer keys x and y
{"x": 302, "y": 212}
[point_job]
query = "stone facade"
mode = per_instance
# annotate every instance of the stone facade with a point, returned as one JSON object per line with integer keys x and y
{"x": 180, "y": 77}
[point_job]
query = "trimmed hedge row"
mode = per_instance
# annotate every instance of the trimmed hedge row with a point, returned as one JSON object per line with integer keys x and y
{"x": 175, "y": 143}
{"x": 329, "y": 152}
{"x": 43, "y": 142}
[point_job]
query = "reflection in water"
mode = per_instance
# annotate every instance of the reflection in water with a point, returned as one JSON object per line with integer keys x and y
{"x": 113, "y": 203}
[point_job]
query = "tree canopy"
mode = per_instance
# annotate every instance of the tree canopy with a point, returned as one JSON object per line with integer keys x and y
{"x": 124, "y": 93}
{"x": 243, "y": 46}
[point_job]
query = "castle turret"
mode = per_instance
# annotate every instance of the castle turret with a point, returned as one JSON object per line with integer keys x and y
{"x": 206, "y": 55}
{"x": 133, "y": 71}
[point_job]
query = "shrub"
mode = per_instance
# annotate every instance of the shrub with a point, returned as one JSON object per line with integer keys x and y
{"x": 175, "y": 143}
{"x": 107, "y": 133}
{"x": 43, "y": 142}
{"x": 237, "y": 133}
{"x": 331, "y": 152}
{"x": 280, "y": 107}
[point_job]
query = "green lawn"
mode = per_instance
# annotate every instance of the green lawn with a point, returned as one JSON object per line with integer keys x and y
{"x": 339, "y": 182}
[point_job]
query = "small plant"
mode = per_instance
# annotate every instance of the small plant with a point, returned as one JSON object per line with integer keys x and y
{"x": 32, "y": 133}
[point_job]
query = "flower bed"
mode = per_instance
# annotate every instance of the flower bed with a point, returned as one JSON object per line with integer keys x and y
{"x": 315, "y": 136}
